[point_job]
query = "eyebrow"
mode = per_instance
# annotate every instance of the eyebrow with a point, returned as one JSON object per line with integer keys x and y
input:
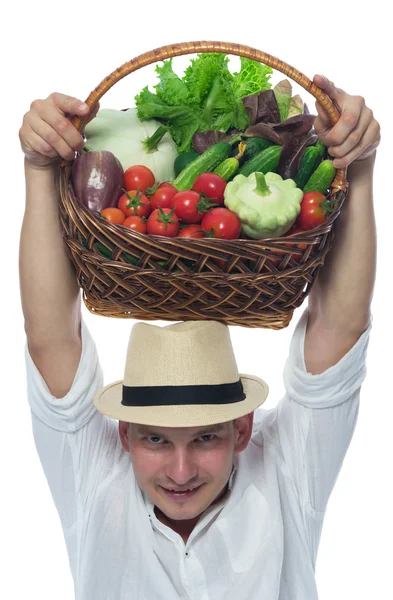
{"x": 212, "y": 429}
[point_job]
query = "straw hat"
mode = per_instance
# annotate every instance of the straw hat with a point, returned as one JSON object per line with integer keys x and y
{"x": 182, "y": 375}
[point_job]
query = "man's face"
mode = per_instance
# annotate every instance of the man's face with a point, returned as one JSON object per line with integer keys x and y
{"x": 183, "y": 470}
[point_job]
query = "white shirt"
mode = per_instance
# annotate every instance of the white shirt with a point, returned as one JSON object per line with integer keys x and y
{"x": 259, "y": 544}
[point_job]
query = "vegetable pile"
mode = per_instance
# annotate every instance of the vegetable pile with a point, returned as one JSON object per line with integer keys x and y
{"x": 212, "y": 154}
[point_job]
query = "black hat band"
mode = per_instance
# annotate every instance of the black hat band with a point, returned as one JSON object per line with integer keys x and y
{"x": 169, "y": 395}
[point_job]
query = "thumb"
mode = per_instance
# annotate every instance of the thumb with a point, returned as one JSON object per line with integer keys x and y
{"x": 327, "y": 86}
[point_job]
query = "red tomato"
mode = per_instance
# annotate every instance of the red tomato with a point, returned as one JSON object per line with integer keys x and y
{"x": 134, "y": 203}
{"x": 163, "y": 221}
{"x": 296, "y": 256}
{"x": 113, "y": 215}
{"x": 293, "y": 231}
{"x": 311, "y": 212}
{"x": 211, "y": 185}
{"x": 192, "y": 231}
{"x": 190, "y": 206}
{"x": 224, "y": 223}
{"x": 163, "y": 196}
{"x": 138, "y": 177}
{"x": 135, "y": 223}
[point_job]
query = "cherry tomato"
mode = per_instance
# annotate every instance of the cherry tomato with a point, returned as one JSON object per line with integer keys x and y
{"x": 138, "y": 177}
{"x": 113, "y": 215}
{"x": 135, "y": 223}
{"x": 190, "y": 206}
{"x": 192, "y": 231}
{"x": 163, "y": 221}
{"x": 134, "y": 203}
{"x": 163, "y": 196}
{"x": 311, "y": 212}
{"x": 224, "y": 223}
{"x": 212, "y": 186}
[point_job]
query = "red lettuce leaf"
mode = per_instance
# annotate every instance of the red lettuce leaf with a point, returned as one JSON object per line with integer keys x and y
{"x": 262, "y": 107}
{"x": 263, "y": 130}
{"x": 297, "y": 126}
{"x": 292, "y": 153}
{"x": 202, "y": 140}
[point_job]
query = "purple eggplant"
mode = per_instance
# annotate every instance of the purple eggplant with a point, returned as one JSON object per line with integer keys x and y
{"x": 97, "y": 178}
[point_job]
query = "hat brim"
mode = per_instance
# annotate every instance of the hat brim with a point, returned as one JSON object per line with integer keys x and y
{"x": 108, "y": 402}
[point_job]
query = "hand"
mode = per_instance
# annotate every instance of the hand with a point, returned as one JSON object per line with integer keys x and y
{"x": 356, "y": 134}
{"x": 47, "y": 133}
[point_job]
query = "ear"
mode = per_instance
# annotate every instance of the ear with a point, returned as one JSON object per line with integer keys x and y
{"x": 123, "y": 433}
{"x": 243, "y": 431}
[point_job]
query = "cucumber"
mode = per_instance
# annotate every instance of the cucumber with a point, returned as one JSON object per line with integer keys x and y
{"x": 321, "y": 179}
{"x": 321, "y": 148}
{"x": 255, "y": 146}
{"x": 264, "y": 162}
{"x": 184, "y": 159}
{"x": 306, "y": 167}
{"x": 205, "y": 162}
{"x": 229, "y": 166}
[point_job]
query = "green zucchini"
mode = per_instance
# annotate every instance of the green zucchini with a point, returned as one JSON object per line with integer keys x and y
{"x": 184, "y": 159}
{"x": 205, "y": 163}
{"x": 264, "y": 162}
{"x": 321, "y": 179}
{"x": 229, "y": 166}
{"x": 306, "y": 167}
{"x": 255, "y": 146}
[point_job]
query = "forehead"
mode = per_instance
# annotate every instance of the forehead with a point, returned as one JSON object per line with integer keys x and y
{"x": 177, "y": 432}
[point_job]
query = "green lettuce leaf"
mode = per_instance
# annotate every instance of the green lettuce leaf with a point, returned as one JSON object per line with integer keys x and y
{"x": 203, "y": 72}
{"x": 283, "y": 93}
{"x": 171, "y": 89}
{"x": 208, "y": 97}
{"x": 252, "y": 78}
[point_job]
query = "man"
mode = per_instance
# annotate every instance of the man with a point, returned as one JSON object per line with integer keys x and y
{"x": 188, "y": 497}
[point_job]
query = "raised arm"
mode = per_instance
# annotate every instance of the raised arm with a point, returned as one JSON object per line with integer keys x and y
{"x": 339, "y": 303}
{"x": 49, "y": 291}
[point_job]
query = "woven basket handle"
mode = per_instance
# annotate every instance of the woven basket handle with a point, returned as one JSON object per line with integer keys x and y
{"x": 159, "y": 54}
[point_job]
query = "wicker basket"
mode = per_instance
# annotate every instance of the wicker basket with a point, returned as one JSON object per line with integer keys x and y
{"x": 156, "y": 278}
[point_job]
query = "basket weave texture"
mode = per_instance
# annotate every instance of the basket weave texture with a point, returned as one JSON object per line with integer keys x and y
{"x": 251, "y": 283}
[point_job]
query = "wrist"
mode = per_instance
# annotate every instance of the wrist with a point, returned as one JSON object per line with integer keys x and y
{"x": 30, "y": 167}
{"x": 365, "y": 165}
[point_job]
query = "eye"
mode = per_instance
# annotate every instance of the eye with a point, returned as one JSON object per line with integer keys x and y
{"x": 155, "y": 440}
{"x": 208, "y": 437}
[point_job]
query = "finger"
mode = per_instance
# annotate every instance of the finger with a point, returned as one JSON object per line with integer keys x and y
{"x": 42, "y": 111}
{"x": 33, "y": 144}
{"x": 348, "y": 121}
{"x": 51, "y": 137}
{"x": 355, "y": 137}
{"x": 68, "y": 104}
{"x": 334, "y": 93}
{"x": 369, "y": 142}
{"x": 322, "y": 123}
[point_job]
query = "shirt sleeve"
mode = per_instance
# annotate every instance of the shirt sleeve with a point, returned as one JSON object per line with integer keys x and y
{"x": 314, "y": 423}
{"x": 76, "y": 444}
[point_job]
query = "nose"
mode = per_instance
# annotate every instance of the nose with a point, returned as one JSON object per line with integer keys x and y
{"x": 181, "y": 467}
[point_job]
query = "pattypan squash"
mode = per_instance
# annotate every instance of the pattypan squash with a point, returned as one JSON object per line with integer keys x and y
{"x": 266, "y": 205}
{"x": 132, "y": 141}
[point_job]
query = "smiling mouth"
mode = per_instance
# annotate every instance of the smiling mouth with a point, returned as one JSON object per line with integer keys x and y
{"x": 181, "y": 491}
{"x": 181, "y": 494}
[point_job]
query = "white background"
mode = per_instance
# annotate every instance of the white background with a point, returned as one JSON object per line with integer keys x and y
{"x": 48, "y": 47}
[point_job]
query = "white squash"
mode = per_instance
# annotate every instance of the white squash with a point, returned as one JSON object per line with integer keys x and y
{"x": 123, "y": 134}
